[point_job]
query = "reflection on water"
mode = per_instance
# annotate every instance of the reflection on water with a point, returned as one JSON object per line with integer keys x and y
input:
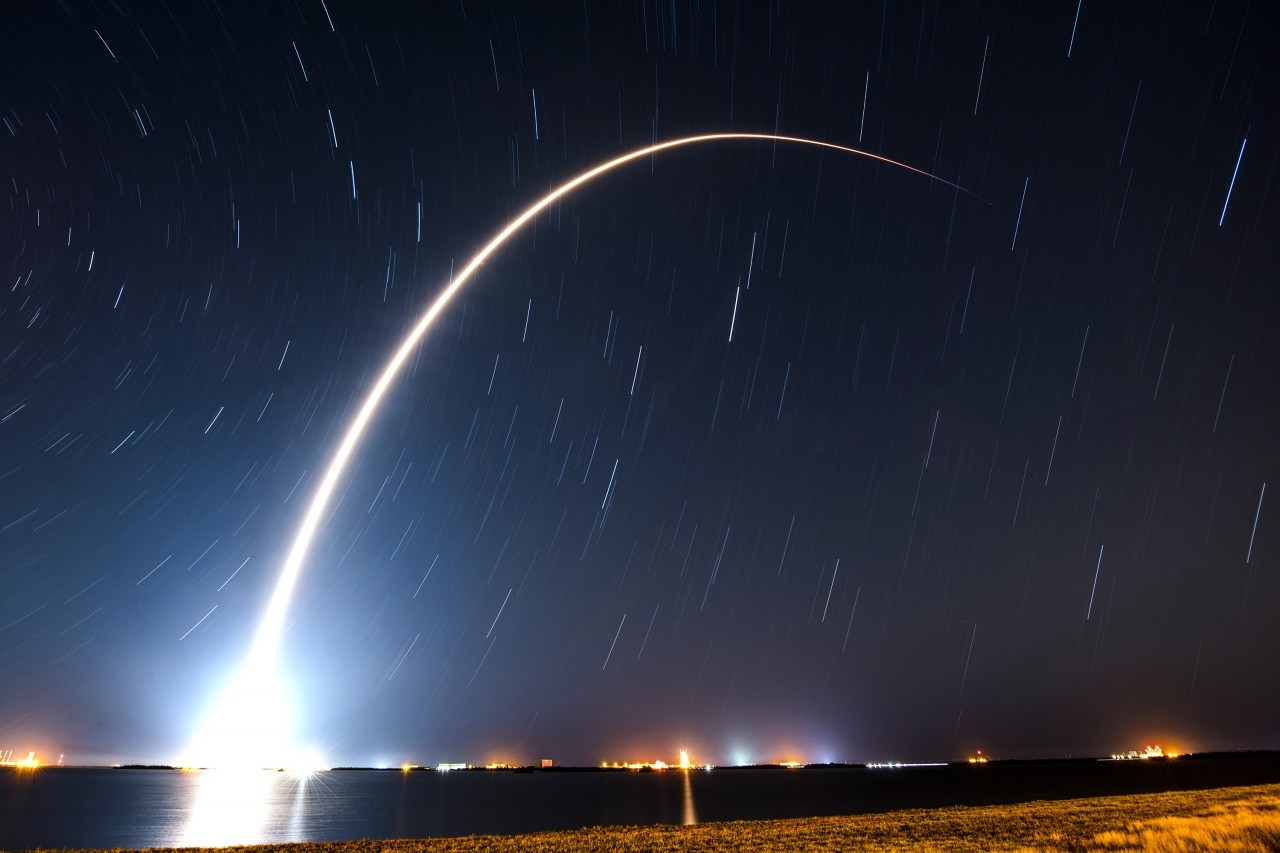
{"x": 297, "y": 827}
{"x": 100, "y": 808}
{"x": 243, "y": 807}
{"x": 233, "y": 807}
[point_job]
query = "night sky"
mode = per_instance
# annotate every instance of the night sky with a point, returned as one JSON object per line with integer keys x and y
{"x": 992, "y": 469}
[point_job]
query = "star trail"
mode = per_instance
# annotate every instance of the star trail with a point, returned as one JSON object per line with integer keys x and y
{"x": 746, "y": 444}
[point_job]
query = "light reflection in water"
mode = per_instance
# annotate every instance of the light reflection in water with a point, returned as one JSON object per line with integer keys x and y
{"x": 243, "y": 807}
{"x": 296, "y": 828}
{"x": 690, "y": 816}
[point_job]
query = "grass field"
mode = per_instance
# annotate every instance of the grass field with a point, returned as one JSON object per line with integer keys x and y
{"x": 1223, "y": 819}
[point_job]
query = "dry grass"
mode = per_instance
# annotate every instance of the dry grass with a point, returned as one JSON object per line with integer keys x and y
{"x": 1224, "y": 819}
{"x": 1241, "y": 825}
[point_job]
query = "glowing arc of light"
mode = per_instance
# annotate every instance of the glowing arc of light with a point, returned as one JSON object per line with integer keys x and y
{"x": 266, "y": 642}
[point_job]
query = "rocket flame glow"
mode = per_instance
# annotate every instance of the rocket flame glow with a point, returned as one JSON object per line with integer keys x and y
{"x": 262, "y": 655}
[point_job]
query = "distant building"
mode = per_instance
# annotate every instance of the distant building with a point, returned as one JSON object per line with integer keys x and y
{"x": 547, "y": 763}
{"x": 445, "y": 767}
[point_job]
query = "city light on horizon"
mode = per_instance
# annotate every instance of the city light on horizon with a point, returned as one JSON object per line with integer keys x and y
{"x": 28, "y": 762}
{"x": 241, "y": 756}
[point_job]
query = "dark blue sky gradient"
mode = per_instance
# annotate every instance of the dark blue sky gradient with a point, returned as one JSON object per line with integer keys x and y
{"x": 1033, "y": 426}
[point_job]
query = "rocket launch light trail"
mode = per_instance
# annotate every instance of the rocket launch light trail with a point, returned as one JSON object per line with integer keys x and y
{"x": 260, "y": 666}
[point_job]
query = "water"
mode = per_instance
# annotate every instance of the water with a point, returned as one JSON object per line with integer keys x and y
{"x": 88, "y": 807}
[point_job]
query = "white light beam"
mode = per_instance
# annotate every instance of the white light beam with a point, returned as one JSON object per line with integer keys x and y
{"x": 272, "y": 625}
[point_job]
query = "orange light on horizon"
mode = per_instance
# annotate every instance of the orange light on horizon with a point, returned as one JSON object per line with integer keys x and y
{"x": 634, "y": 766}
{"x": 1148, "y": 752}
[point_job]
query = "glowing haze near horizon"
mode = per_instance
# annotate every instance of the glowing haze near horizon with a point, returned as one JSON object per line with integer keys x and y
{"x": 757, "y": 451}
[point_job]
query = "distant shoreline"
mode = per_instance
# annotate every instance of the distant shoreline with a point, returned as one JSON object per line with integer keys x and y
{"x": 569, "y": 768}
{"x": 1246, "y": 817}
